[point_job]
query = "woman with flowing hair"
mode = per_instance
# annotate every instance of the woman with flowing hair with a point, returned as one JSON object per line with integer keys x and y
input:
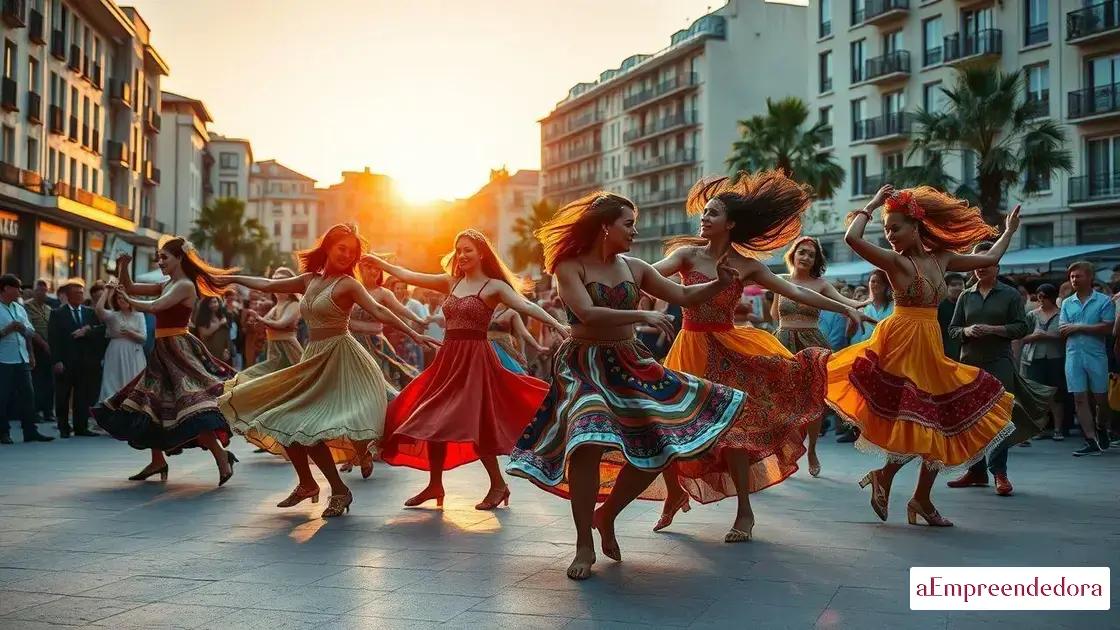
{"x": 464, "y": 406}
{"x": 614, "y": 417}
{"x": 173, "y": 403}
{"x": 742, "y": 218}
{"x": 898, "y": 388}
{"x": 330, "y": 406}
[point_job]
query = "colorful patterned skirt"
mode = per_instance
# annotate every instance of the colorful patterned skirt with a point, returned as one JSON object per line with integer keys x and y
{"x": 465, "y": 400}
{"x": 280, "y": 352}
{"x": 172, "y": 401}
{"x": 397, "y": 371}
{"x": 909, "y": 400}
{"x": 508, "y": 353}
{"x": 798, "y": 339}
{"x": 335, "y": 394}
{"x": 615, "y": 394}
{"x": 786, "y": 394}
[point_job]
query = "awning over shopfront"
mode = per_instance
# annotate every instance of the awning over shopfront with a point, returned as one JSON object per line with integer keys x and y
{"x": 1047, "y": 259}
{"x": 852, "y": 271}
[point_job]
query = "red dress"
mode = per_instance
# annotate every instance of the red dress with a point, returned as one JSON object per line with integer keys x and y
{"x": 465, "y": 398}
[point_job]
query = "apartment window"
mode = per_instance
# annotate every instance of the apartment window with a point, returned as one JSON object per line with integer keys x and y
{"x": 894, "y": 103}
{"x": 859, "y": 11}
{"x": 1037, "y": 22}
{"x": 1040, "y": 235}
{"x": 1041, "y": 179}
{"x": 1038, "y": 87}
{"x": 56, "y": 90}
{"x": 857, "y": 56}
{"x": 227, "y": 189}
{"x": 857, "y": 118}
{"x": 85, "y": 177}
{"x": 9, "y": 60}
{"x": 52, "y": 157}
{"x": 825, "y": 18}
{"x": 932, "y": 41}
{"x": 1104, "y": 165}
{"x": 61, "y": 166}
{"x": 892, "y": 42}
{"x": 973, "y": 23}
{"x": 933, "y": 98}
{"x": 1104, "y": 72}
{"x": 33, "y": 155}
{"x": 892, "y": 162}
{"x": 73, "y": 172}
{"x": 276, "y": 230}
{"x": 826, "y": 71}
{"x": 33, "y": 83}
{"x": 859, "y": 175}
{"x": 8, "y": 145}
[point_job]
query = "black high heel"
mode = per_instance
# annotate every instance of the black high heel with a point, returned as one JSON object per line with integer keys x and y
{"x": 232, "y": 459}
{"x": 150, "y": 472}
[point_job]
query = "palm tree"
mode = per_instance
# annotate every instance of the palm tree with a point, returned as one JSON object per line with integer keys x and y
{"x": 778, "y": 139}
{"x": 526, "y": 250}
{"x": 260, "y": 255}
{"x": 222, "y": 226}
{"x": 989, "y": 115}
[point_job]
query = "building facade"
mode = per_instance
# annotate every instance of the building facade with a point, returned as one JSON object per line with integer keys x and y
{"x": 876, "y": 61}
{"x": 364, "y": 198}
{"x": 79, "y": 129}
{"x": 286, "y": 204}
{"x": 183, "y": 159}
{"x": 495, "y": 208}
{"x": 652, "y": 127}
{"x": 229, "y": 162}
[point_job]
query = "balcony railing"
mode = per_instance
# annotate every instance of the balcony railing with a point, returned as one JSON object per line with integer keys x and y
{"x": 35, "y": 30}
{"x": 683, "y": 228}
{"x": 34, "y": 108}
{"x": 826, "y": 28}
{"x": 58, "y": 45}
{"x": 893, "y": 63}
{"x": 1088, "y": 22}
{"x": 662, "y": 196}
{"x": 120, "y": 92}
{"x": 75, "y": 61}
{"x": 825, "y": 138}
{"x": 679, "y": 82}
{"x": 55, "y": 120}
{"x": 959, "y": 47}
{"x": 1095, "y": 187}
{"x": 73, "y": 135}
{"x": 882, "y": 127}
{"x": 573, "y": 125}
{"x": 93, "y": 200}
{"x": 1037, "y": 34}
{"x": 667, "y": 123}
{"x": 932, "y": 56}
{"x": 1039, "y": 102}
{"x": 582, "y": 181}
{"x": 8, "y": 95}
{"x": 576, "y": 153}
{"x": 148, "y": 221}
{"x": 882, "y": 10}
{"x": 14, "y": 12}
{"x": 1092, "y": 101}
{"x": 675, "y": 158}
{"x": 15, "y": 176}
{"x": 117, "y": 153}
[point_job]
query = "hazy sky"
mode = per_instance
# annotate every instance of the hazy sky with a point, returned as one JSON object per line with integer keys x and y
{"x": 432, "y": 93}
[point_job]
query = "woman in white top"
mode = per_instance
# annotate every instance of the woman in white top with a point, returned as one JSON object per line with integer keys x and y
{"x": 126, "y": 330}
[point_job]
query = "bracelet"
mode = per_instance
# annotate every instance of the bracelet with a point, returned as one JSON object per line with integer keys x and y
{"x": 864, "y": 212}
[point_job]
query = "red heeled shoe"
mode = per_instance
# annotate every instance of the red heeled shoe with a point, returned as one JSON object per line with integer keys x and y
{"x": 490, "y": 503}
{"x": 299, "y": 495}
{"x": 427, "y": 495}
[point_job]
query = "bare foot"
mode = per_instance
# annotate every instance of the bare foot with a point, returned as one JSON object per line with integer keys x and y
{"x": 580, "y": 569}
{"x": 606, "y": 534}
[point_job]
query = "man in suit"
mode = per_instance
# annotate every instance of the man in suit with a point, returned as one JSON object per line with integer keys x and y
{"x": 76, "y": 339}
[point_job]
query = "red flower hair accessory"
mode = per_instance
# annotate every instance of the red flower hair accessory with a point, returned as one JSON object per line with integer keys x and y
{"x": 903, "y": 201}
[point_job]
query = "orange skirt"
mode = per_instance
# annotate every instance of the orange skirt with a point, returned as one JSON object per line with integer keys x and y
{"x": 786, "y": 390}
{"x": 910, "y": 400}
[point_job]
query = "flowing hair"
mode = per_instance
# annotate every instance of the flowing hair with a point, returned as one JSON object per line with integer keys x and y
{"x": 314, "y": 259}
{"x": 492, "y": 266}
{"x": 574, "y": 228}
{"x": 200, "y": 272}
{"x": 944, "y": 222}
{"x": 766, "y": 208}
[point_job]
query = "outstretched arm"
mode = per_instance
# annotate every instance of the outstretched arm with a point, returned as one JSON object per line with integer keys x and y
{"x": 879, "y": 256}
{"x": 435, "y": 281}
{"x": 830, "y": 291}
{"x": 297, "y": 284}
{"x": 390, "y": 301}
{"x": 761, "y": 275}
{"x": 972, "y": 262}
{"x": 673, "y": 263}
{"x": 660, "y": 287}
{"x": 517, "y": 302}
{"x": 124, "y": 276}
{"x": 178, "y": 293}
{"x": 362, "y": 298}
{"x": 99, "y": 307}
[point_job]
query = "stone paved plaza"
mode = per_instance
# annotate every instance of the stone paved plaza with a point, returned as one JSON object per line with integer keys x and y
{"x": 80, "y": 545}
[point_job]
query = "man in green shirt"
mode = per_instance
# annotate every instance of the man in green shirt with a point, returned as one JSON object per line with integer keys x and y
{"x": 39, "y": 312}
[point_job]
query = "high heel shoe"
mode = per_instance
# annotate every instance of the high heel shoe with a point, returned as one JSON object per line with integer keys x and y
{"x": 299, "y": 495}
{"x": 367, "y": 467}
{"x": 666, "y": 519}
{"x": 338, "y": 504}
{"x": 735, "y": 535}
{"x": 149, "y": 471}
{"x": 223, "y": 478}
{"x": 880, "y": 499}
{"x": 933, "y": 518}
{"x": 490, "y": 504}
{"x": 427, "y": 495}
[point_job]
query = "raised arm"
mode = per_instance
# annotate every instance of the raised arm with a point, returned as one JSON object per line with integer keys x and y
{"x": 879, "y": 256}
{"x": 661, "y": 287}
{"x": 517, "y": 302}
{"x": 99, "y": 307}
{"x": 971, "y": 262}
{"x": 761, "y": 275}
{"x": 830, "y": 291}
{"x": 362, "y": 298}
{"x": 673, "y": 263}
{"x": 178, "y": 293}
{"x": 435, "y": 281}
{"x": 124, "y": 277}
{"x": 575, "y": 296}
{"x": 386, "y": 298}
{"x": 295, "y": 284}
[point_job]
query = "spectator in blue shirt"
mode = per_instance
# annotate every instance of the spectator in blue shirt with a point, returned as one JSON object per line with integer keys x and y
{"x": 1085, "y": 319}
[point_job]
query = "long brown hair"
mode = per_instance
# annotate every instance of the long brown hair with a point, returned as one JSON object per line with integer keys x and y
{"x": 944, "y": 222}
{"x": 492, "y": 266}
{"x": 314, "y": 259}
{"x": 766, "y": 208}
{"x": 200, "y": 272}
{"x": 819, "y": 263}
{"x": 574, "y": 228}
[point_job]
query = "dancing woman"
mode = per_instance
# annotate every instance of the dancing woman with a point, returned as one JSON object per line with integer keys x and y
{"x": 282, "y": 349}
{"x": 464, "y": 406}
{"x": 503, "y": 326}
{"x": 173, "y": 403}
{"x": 740, "y": 219}
{"x": 798, "y": 322}
{"x": 369, "y": 331}
{"x": 331, "y": 405}
{"x": 614, "y": 418}
{"x": 898, "y": 387}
